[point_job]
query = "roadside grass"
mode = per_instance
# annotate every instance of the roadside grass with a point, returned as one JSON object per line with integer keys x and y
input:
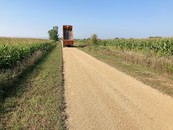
{"x": 158, "y": 80}
{"x": 38, "y": 102}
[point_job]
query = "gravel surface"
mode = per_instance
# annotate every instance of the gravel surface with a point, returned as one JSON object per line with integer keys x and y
{"x": 100, "y": 97}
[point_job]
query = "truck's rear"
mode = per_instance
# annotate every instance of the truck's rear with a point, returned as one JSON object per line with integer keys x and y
{"x": 68, "y": 35}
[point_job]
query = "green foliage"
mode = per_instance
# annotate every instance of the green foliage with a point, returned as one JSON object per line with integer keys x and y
{"x": 17, "y": 56}
{"x": 53, "y": 33}
{"x": 11, "y": 54}
{"x": 160, "y": 46}
{"x": 37, "y": 97}
{"x": 94, "y": 39}
{"x": 157, "y": 46}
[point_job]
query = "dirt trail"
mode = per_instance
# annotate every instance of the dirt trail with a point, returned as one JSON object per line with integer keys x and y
{"x": 99, "y": 97}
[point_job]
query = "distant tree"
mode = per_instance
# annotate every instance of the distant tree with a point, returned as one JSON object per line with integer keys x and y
{"x": 53, "y": 33}
{"x": 94, "y": 39}
{"x": 155, "y": 37}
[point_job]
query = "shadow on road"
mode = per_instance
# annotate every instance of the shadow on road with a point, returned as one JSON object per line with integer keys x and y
{"x": 77, "y": 46}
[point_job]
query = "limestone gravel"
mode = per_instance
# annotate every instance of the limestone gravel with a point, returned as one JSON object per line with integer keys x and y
{"x": 100, "y": 97}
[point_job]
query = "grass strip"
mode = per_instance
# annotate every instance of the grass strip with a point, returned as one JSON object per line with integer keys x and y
{"x": 39, "y": 101}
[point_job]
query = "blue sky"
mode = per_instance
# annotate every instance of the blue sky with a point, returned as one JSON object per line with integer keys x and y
{"x": 106, "y": 18}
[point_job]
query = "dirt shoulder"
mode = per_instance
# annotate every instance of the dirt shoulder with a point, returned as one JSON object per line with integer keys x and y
{"x": 100, "y": 97}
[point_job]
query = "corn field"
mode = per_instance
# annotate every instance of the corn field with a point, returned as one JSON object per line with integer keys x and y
{"x": 13, "y": 51}
{"x": 163, "y": 46}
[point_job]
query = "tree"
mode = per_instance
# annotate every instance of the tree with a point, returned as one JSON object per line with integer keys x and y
{"x": 94, "y": 39}
{"x": 53, "y": 33}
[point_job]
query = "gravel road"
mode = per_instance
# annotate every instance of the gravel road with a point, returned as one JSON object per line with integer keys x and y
{"x": 100, "y": 97}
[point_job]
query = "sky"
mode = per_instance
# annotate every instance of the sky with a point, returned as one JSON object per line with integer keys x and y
{"x": 106, "y": 18}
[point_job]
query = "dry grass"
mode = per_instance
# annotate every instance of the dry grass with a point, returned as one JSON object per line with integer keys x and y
{"x": 161, "y": 64}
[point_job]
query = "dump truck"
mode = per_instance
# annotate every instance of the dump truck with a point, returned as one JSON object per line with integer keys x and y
{"x": 67, "y": 35}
